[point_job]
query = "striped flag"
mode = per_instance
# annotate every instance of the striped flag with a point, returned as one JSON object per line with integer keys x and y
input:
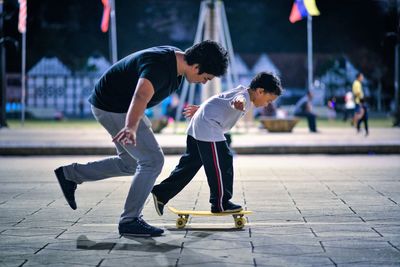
{"x": 22, "y": 16}
{"x": 302, "y": 8}
{"x": 106, "y": 15}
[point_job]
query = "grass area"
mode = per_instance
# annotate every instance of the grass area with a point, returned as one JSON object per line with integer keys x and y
{"x": 91, "y": 123}
{"x": 372, "y": 123}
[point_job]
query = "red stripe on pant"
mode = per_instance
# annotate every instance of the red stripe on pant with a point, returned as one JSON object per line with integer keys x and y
{"x": 218, "y": 175}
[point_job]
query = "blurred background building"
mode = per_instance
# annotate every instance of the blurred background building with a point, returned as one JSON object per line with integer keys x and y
{"x": 67, "y": 51}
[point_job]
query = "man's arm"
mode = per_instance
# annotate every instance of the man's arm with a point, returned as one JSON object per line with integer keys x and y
{"x": 144, "y": 92}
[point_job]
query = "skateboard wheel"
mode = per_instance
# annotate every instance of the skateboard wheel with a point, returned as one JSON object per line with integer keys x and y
{"x": 240, "y": 222}
{"x": 180, "y": 222}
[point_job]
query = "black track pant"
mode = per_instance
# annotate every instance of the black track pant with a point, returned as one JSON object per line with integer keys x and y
{"x": 216, "y": 158}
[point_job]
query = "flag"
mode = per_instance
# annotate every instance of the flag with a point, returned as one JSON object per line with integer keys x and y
{"x": 303, "y": 8}
{"x": 22, "y": 16}
{"x": 106, "y": 15}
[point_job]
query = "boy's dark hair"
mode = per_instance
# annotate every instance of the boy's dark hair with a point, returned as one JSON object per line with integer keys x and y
{"x": 268, "y": 81}
{"x": 358, "y": 74}
{"x": 211, "y": 57}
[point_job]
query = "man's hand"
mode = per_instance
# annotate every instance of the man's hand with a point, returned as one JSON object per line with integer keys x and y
{"x": 190, "y": 110}
{"x": 126, "y": 136}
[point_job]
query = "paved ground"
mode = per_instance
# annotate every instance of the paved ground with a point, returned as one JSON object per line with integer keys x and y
{"x": 95, "y": 141}
{"x": 309, "y": 211}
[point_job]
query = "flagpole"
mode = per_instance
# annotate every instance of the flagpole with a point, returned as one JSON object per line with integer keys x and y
{"x": 113, "y": 32}
{"x": 309, "y": 53}
{"x": 23, "y": 79}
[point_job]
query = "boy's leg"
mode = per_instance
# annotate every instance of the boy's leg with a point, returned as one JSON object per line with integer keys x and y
{"x": 218, "y": 165}
{"x": 189, "y": 165}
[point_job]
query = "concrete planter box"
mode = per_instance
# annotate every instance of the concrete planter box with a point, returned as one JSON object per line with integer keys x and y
{"x": 277, "y": 125}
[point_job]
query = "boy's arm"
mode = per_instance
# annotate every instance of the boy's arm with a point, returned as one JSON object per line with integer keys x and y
{"x": 144, "y": 92}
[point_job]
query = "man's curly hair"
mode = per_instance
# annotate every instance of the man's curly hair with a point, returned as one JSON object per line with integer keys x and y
{"x": 211, "y": 57}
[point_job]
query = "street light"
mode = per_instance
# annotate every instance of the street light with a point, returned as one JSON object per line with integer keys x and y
{"x": 3, "y": 41}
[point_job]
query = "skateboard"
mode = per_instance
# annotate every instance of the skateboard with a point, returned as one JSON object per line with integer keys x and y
{"x": 238, "y": 218}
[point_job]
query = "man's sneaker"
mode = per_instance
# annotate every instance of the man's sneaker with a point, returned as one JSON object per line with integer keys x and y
{"x": 228, "y": 207}
{"x": 158, "y": 205}
{"x": 138, "y": 227}
{"x": 68, "y": 187}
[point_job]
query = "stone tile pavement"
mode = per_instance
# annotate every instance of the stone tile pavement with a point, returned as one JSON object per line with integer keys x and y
{"x": 308, "y": 211}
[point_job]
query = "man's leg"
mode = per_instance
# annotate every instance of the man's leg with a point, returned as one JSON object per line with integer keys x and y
{"x": 121, "y": 165}
{"x": 124, "y": 164}
{"x": 150, "y": 160}
{"x": 189, "y": 165}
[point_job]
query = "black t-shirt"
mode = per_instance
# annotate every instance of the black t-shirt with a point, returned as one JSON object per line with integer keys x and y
{"x": 115, "y": 88}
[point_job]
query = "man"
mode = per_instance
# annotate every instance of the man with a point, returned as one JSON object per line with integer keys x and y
{"x": 136, "y": 82}
{"x": 303, "y": 108}
{"x": 358, "y": 95}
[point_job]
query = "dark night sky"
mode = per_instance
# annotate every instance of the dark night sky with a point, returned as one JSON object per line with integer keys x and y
{"x": 70, "y": 29}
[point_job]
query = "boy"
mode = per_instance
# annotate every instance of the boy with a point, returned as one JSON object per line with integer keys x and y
{"x": 206, "y": 144}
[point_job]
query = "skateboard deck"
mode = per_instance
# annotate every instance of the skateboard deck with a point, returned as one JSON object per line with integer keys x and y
{"x": 238, "y": 218}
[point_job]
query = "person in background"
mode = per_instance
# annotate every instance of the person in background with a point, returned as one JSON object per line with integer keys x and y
{"x": 358, "y": 95}
{"x": 332, "y": 108}
{"x": 304, "y": 108}
{"x": 349, "y": 106}
{"x": 363, "y": 117}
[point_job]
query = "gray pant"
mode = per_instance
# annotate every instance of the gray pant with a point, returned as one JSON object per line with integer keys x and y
{"x": 144, "y": 161}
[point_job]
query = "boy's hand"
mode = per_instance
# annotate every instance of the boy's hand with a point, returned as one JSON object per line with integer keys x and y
{"x": 190, "y": 110}
{"x": 125, "y": 136}
{"x": 238, "y": 103}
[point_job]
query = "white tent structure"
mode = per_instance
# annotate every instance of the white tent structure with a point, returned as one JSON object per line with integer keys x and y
{"x": 242, "y": 70}
{"x": 49, "y": 66}
{"x": 264, "y": 63}
{"x": 241, "y": 67}
{"x": 97, "y": 65}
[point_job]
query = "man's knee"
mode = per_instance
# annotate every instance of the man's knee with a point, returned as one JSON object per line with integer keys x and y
{"x": 152, "y": 163}
{"x": 158, "y": 162}
{"x": 130, "y": 169}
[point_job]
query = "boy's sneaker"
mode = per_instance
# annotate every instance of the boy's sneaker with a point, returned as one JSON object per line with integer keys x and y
{"x": 68, "y": 187}
{"x": 158, "y": 205}
{"x": 138, "y": 227}
{"x": 228, "y": 207}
